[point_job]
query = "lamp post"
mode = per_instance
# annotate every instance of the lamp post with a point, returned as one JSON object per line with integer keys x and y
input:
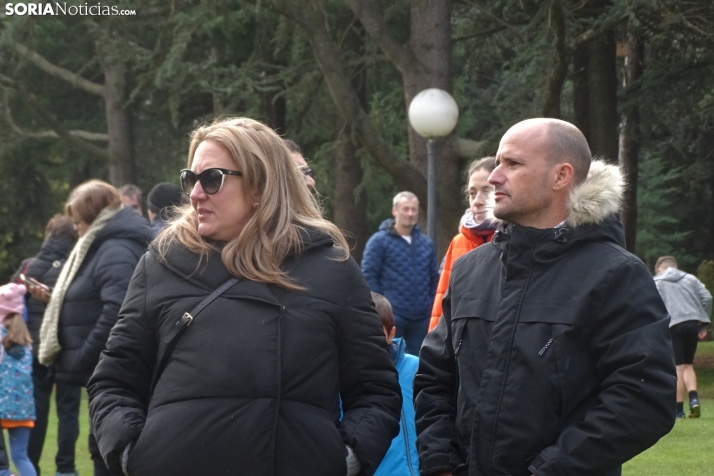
{"x": 433, "y": 114}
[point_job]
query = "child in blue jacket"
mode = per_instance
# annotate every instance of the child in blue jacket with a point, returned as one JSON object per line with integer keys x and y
{"x": 17, "y": 405}
{"x": 401, "y": 458}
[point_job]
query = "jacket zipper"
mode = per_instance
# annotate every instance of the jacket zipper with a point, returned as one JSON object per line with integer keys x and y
{"x": 545, "y": 347}
{"x": 406, "y": 443}
{"x": 458, "y": 346}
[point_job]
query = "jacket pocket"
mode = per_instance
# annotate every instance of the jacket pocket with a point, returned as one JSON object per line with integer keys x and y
{"x": 470, "y": 332}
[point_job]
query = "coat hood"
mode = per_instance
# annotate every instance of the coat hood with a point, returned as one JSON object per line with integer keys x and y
{"x": 56, "y": 248}
{"x": 670, "y": 274}
{"x": 594, "y": 200}
{"x": 128, "y": 225}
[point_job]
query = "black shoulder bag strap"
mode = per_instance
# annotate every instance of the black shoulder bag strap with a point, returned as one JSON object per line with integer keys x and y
{"x": 177, "y": 331}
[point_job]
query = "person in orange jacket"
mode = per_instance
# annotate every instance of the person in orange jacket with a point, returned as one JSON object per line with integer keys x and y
{"x": 475, "y": 229}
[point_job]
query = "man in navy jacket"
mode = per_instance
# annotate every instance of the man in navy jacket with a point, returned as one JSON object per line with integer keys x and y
{"x": 399, "y": 262}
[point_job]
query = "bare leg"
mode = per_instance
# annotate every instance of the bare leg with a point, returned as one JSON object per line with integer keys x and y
{"x": 689, "y": 377}
{"x": 680, "y": 383}
{"x": 690, "y": 380}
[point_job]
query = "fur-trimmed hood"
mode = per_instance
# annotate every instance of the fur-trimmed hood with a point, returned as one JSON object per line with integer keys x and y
{"x": 598, "y": 197}
{"x": 591, "y": 202}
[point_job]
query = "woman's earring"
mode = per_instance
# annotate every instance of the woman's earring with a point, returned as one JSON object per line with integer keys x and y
{"x": 255, "y": 205}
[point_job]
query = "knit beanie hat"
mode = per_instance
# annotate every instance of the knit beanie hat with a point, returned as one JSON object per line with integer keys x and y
{"x": 162, "y": 196}
{"x": 12, "y": 299}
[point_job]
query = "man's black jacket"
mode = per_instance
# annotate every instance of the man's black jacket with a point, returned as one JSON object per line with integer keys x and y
{"x": 553, "y": 356}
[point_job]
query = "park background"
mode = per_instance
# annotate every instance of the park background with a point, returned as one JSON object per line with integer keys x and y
{"x": 115, "y": 96}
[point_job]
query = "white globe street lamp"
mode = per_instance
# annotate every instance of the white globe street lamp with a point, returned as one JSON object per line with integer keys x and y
{"x": 433, "y": 114}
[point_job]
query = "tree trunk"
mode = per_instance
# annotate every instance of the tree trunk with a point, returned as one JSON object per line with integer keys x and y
{"x": 602, "y": 84}
{"x": 630, "y": 144}
{"x": 581, "y": 91}
{"x": 122, "y": 169}
{"x": 430, "y": 43}
{"x": 554, "y": 89}
{"x": 347, "y": 102}
{"x": 350, "y": 198}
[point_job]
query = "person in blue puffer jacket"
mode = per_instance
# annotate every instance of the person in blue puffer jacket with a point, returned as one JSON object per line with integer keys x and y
{"x": 399, "y": 262}
{"x": 401, "y": 458}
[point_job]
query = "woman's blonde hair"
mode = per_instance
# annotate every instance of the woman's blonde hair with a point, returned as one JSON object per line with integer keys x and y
{"x": 284, "y": 205}
{"x": 88, "y": 199}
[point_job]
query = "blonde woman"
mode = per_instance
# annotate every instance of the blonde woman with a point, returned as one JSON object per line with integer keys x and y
{"x": 253, "y": 385}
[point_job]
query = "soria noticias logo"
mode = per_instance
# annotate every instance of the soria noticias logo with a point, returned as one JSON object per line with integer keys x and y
{"x": 57, "y": 8}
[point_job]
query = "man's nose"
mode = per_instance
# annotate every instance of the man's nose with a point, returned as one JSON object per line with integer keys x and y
{"x": 496, "y": 176}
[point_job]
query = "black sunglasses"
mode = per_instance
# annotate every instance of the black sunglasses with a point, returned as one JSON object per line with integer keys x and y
{"x": 307, "y": 172}
{"x": 211, "y": 179}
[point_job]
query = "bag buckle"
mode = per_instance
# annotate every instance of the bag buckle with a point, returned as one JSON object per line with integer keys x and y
{"x": 187, "y": 318}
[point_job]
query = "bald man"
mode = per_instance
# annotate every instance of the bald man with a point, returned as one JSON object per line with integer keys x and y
{"x": 553, "y": 355}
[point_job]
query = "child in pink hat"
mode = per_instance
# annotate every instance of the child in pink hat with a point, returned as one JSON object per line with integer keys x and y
{"x": 12, "y": 299}
{"x": 17, "y": 405}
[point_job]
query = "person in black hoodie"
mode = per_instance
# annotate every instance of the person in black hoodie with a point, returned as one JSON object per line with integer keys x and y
{"x": 553, "y": 356}
{"x": 45, "y": 267}
{"x": 253, "y": 386}
{"x": 84, "y": 304}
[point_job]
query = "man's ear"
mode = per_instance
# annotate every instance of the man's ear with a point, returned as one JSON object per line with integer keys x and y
{"x": 564, "y": 176}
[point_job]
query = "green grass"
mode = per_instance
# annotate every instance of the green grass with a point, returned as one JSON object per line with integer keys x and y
{"x": 687, "y": 450}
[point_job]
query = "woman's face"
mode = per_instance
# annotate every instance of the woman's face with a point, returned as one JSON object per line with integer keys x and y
{"x": 479, "y": 189}
{"x": 81, "y": 227}
{"x": 222, "y": 215}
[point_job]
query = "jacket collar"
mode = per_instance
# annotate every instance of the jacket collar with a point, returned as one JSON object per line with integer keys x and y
{"x": 397, "y": 349}
{"x": 388, "y": 226}
{"x": 210, "y": 272}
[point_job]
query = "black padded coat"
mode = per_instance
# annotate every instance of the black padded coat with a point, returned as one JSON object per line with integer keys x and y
{"x": 553, "y": 357}
{"x": 45, "y": 268}
{"x": 91, "y": 304}
{"x": 253, "y": 386}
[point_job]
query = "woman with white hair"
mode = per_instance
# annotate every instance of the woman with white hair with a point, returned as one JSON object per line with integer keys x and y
{"x": 246, "y": 330}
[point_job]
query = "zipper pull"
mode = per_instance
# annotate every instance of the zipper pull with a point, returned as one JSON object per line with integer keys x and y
{"x": 458, "y": 346}
{"x": 545, "y": 347}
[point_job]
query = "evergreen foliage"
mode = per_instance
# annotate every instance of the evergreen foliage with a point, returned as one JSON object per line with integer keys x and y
{"x": 705, "y": 274}
{"x": 190, "y": 60}
{"x": 660, "y": 231}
